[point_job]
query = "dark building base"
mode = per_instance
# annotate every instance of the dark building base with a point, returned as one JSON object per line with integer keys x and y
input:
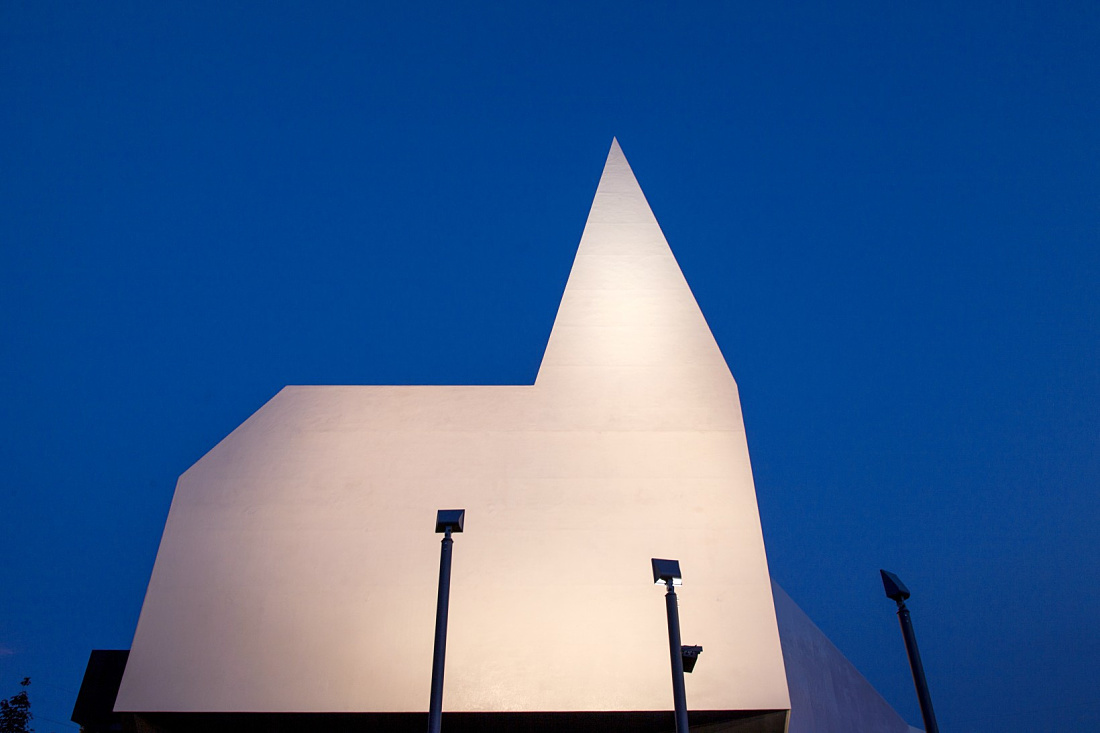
{"x": 94, "y": 712}
{"x": 704, "y": 721}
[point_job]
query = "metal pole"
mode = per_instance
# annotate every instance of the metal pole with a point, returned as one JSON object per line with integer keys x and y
{"x": 679, "y": 697}
{"x": 921, "y": 683}
{"x": 435, "y": 712}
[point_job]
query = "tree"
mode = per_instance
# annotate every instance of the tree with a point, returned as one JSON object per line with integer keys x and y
{"x": 15, "y": 712}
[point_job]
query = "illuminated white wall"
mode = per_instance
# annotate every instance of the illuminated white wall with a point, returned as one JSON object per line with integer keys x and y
{"x": 298, "y": 567}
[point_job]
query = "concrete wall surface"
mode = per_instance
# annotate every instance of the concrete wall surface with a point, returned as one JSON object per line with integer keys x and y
{"x": 297, "y": 571}
{"x": 828, "y": 694}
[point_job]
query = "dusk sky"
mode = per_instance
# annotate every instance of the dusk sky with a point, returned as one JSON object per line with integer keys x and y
{"x": 889, "y": 216}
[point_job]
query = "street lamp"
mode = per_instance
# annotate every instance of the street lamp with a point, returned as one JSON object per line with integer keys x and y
{"x": 446, "y": 522}
{"x": 897, "y": 592}
{"x": 667, "y": 572}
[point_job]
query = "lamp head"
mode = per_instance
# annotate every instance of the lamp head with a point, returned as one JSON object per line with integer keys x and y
{"x": 666, "y": 570}
{"x": 690, "y": 655}
{"x": 449, "y": 519}
{"x": 895, "y": 589}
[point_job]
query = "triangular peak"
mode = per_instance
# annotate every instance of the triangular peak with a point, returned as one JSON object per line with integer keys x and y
{"x": 627, "y": 306}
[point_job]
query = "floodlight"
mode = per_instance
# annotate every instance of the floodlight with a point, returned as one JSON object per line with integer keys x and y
{"x": 666, "y": 570}
{"x": 690, "y": 655}
{"x": 895, "y": 589}
{"x": 667, "y": 573}
{"x": 446, "y": 522}
{"x": 451, "y": 519}
{"x": 898, "y": 593}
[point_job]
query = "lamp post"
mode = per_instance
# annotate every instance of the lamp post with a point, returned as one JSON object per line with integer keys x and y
{"x": 667, "y": 572}
{"x": 446, "y": 522}
{"x": 897, "y": 592}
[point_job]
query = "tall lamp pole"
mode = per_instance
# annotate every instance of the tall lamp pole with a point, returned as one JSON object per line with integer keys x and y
{"x": 667, "y": 572}
{"x": 897, "y": 592}
{"x": 446, "y": 522}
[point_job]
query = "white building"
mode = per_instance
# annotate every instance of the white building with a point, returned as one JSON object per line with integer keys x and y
{"x": 295, "y": 584}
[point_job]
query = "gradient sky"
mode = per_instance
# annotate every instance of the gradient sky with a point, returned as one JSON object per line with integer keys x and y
{"x": 890, "y": 217}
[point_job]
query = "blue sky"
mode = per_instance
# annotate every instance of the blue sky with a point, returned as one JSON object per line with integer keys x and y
{"x": 890, "y": 217}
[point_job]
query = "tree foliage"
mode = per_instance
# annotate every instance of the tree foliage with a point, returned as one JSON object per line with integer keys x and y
{"x": 15, "y": 712}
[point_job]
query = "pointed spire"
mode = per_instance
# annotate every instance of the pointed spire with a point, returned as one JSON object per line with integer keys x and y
{"x": 627, "y": 306}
